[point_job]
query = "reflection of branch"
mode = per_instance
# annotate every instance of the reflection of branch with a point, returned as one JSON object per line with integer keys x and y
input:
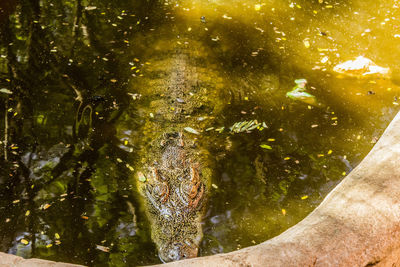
{"x": 76, "y": 25}
{"x": 6, "y": 130}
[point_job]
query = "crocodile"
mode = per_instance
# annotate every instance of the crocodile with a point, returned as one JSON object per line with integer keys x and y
{"x": 178, "y": 101}
{"x": 175, "y": 191}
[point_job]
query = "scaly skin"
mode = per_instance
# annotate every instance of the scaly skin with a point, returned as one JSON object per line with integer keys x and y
{"x": 178, "y": 91}
{"x": 175, "y": 198}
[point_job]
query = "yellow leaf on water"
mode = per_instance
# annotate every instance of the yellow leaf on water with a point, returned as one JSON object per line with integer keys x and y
{"x": 27, "y": 213}
{"x": 329, "y": 152}
{"x": 304, "y": 197}
{"x": 130, "y": 167}
{"x": 265, "y": 146}
{"x": 283, "y": 211}
{"x": 57, "y": 236}
{"x": 49, "y": 245}
{"x": 24, "y": 241}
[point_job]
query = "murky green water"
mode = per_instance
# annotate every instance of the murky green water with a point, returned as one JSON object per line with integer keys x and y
{"x": 84, "y": 105}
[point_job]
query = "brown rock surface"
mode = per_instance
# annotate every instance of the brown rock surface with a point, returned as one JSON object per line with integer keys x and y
{"x": 357, "y": 224}
{"x": 8, "y": 260}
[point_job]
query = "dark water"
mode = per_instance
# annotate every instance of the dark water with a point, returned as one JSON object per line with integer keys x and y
{"x": 82, "y": 76}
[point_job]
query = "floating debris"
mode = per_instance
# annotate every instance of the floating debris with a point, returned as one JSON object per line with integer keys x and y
{"x": 360, "y": 67}
{"x": 5, "y": 91}
{"x": 103, "y": 248}
{"x": 141, "y": 177}
{"x": 265, "y": 146}
{"x": 299, "y": 93}
{"x": 220, "y": 130}
{"x": 191, "y": 130}
{"x": 90, "y": 8}
{"x": 246, "y": 126}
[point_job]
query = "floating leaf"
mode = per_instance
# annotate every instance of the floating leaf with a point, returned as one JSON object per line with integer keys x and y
{"x": 265, "y": 146}
{"x": 299, "y": 94}
{"x": 304, "y": 197}
{"x": 306, "y": 43}
{"x": 283, "y": 211}
{"x": 129, "y": 167}
{"x": 141, "y": 177}
{"x": 24, "y": 241}
{"x": 246, "y": 126}
{"x": 360, "y": 67}
{"x": 191, "y": 130}
{"x": 90, "y": 7}
{"x": 220, "y": 130}
{"x": 103, "y": 248}
{"x": 5, "y": 91}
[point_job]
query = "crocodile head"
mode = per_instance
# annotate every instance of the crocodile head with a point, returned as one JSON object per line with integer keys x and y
{"x": 174, "y": 194}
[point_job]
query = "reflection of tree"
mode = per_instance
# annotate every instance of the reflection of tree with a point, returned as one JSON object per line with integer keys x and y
{"x": 61, "y": 56}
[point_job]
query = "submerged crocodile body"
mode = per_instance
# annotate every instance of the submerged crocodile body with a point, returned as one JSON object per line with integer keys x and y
{"x": 174, "y": 174}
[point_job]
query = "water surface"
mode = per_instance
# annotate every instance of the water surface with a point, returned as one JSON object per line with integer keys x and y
{"x": 83, "y": 76}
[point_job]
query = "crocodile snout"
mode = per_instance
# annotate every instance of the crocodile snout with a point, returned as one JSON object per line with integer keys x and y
{"x": 178, "y": 251}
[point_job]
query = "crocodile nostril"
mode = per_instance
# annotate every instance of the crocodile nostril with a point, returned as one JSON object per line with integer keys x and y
{"x": 178, "y": 251}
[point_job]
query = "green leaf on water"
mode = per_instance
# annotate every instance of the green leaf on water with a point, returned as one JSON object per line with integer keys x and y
{"x": 141, "y": 177}
{"x": 265, "y": 146}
